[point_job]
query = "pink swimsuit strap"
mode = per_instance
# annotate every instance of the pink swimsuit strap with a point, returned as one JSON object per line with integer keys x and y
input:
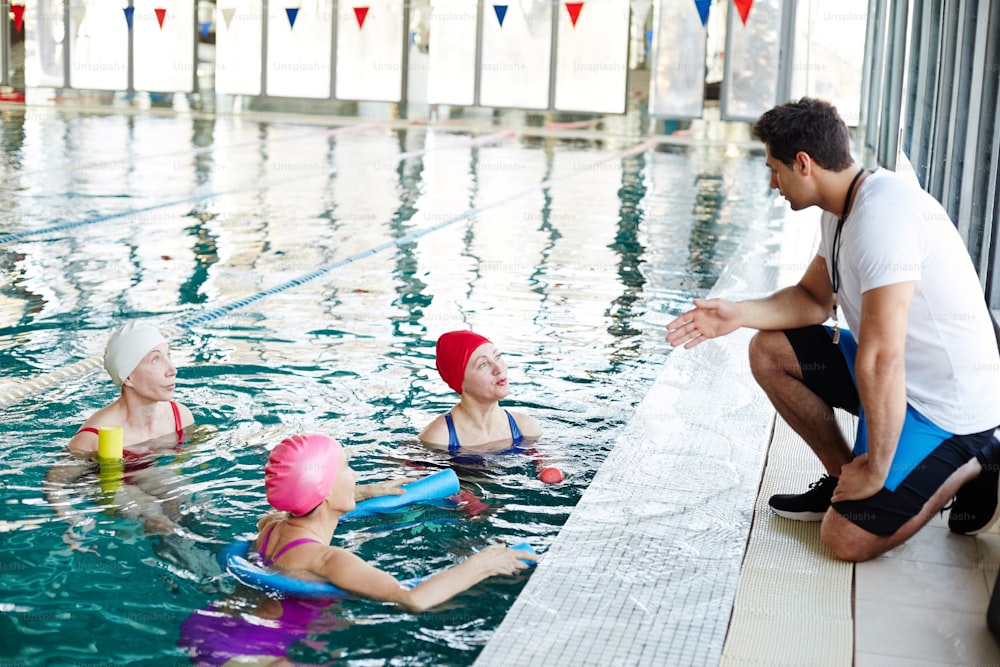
{"x": 294, "y": 543}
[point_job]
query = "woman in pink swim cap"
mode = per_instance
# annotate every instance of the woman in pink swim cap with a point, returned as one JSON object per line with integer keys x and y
{"x": 308, "y": 479}
{"x": 473, "y": 367}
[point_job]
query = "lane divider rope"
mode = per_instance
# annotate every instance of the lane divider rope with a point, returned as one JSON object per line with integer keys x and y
{"x": 11, "y": 394}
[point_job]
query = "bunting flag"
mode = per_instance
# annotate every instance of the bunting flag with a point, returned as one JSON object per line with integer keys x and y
{"x": 293, "y": 13}
{"x": 160, "y": 15}
{"x": 743, "y": 7}
{"x": 227, "y": 15}
{"x": 501, "y": 11}
{"x": 360, "y": 13}
{"x": 703, "y": 6}
{"x": 18, "y": 12}
{"x": 574, "y": 11}
{"x": 129, "y": 11}
{"x": 203, "y": 29}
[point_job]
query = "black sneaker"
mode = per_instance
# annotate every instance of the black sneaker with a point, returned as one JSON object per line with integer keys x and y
{"x": 976, "y": 506}
{"x": 809, "y": 506}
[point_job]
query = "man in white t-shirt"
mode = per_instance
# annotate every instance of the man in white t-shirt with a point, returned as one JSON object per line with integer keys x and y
{"x": 919, "y": 364}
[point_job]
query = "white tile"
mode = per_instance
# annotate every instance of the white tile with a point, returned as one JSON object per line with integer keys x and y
{"x": 875, "y": 660}
{"x": 917, "y": 633}
{"x": 914, "y": 583}
{"x": 934, "y": 544}
{"x": 989, "y": 557}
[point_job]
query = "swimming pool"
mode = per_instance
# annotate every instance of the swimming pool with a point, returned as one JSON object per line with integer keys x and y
{"x": 302, "y": 272}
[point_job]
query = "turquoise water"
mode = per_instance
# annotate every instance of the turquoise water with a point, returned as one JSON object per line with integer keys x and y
{"x": 302, "y": 274}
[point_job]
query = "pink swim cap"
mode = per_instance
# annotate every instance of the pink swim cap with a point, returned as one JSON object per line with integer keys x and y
{"x": 300, "y": 472}
{"x": 454, "y": 349}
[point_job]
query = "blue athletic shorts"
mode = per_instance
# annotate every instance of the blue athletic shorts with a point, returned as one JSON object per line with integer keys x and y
{"x": 926, "y": 454}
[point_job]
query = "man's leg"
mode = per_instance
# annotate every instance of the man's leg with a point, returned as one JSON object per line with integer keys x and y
{"x": 779, "y": 373}
{"x": 850, "y": 542}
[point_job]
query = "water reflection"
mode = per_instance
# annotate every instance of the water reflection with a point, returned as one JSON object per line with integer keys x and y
{"x": 571, "y": 264}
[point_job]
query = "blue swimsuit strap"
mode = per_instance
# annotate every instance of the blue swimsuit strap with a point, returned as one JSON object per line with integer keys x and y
{"x": 294, "y": 543}
{"x": 515, "y": 432}
{"x": 453, "y": 444}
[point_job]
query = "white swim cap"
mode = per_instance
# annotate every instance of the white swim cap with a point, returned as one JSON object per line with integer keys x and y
{"x": 127, "y": 347}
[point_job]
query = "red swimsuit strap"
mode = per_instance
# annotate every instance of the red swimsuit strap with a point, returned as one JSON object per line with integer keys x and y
{"x": 178, "y": 425}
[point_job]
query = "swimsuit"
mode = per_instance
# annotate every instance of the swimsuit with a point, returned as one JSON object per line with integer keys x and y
{"x": 515, "y": 435}
{"x": 132, "y": 457}
{"x": 268, "y": 562}
{"x": 213, "y": 637}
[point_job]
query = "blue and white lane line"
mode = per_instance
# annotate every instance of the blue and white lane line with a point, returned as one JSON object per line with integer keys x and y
{"x": 402, "y": 240}
{"x": 18, "y": 236}
{"x": 11, "y": 393}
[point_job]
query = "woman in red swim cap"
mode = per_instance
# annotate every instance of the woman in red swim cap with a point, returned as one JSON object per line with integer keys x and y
{"x": 474, "y": 369}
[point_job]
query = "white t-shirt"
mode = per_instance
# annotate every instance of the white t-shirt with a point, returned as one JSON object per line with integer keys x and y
{"x": 896, "y": 232}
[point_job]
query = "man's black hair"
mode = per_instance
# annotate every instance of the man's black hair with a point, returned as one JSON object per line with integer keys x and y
{"x": 808, "y": 125}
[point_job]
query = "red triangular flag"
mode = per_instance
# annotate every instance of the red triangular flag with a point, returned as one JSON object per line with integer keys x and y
{"x": 18, "y": 11}
{"x": 743, "y": 7}
{"x": 160, "y": 15}
{"x": 360, "y": 13}
{"x": 574, "y": 11}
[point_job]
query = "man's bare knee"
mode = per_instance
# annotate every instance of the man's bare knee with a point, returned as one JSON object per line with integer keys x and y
{"x": 847, "y": 541}
{"x": 771, "y": 355}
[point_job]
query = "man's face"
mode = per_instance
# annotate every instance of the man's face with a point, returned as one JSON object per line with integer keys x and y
{"x": 785, "y": 180}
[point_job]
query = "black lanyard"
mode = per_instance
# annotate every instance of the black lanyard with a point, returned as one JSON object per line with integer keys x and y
{"x": 836, "y": 254}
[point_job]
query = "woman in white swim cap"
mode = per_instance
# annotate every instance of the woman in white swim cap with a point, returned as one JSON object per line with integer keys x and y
{"x": 138, "y": 360}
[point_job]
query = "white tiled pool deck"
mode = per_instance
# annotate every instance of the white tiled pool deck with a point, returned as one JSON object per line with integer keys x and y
{"x": 672, "y": 557}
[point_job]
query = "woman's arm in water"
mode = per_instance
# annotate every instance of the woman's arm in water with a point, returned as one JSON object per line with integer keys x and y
{"x": 350, "y": 572}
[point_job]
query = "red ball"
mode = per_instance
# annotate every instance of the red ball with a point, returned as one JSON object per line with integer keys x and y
{"x": 551, "y": 475}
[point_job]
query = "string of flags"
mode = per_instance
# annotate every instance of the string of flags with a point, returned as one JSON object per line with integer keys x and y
{"x": 574, "y": 9}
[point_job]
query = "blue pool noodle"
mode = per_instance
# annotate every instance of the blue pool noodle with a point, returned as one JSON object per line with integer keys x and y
{"x": 432, "y": 487}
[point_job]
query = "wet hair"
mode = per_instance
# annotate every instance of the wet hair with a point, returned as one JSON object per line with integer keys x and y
{"x": 808, "y": 125}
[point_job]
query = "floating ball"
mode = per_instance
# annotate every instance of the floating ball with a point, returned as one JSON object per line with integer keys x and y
{"x": 551, "y": 475}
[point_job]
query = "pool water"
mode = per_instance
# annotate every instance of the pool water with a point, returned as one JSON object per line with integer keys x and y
{"x": 302, "y": 273}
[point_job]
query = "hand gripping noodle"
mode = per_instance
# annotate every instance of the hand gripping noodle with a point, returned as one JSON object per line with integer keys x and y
{"x": 300, "y": 472}
{"x": 441, "y": 484}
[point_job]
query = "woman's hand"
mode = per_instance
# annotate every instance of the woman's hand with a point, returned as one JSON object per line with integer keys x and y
{"x": 501, "y": 559}
{"x": 391, "y": 487}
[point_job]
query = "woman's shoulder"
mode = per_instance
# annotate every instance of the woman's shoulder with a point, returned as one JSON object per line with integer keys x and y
{"x": 187, "y": 418}
{"x": 84, "y": 441}
{"x": 528, "y": 425}
{"x": 435, "y": 434}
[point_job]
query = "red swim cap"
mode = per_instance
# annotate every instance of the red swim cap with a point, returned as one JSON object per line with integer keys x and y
{"x": 454, "y": 349}
{"x": 300, "y": 472}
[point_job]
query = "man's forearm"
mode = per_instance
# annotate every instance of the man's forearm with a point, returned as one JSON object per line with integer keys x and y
{"x": 882, "y": 390}
{"x": 788, "y": 308}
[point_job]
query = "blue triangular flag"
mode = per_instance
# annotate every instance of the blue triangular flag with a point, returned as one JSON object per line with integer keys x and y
{"x": 128, "y": 15}
{"x": 203, "y": 28}
{"x": 292, "y": 12}
{"x": 703, "y": 6}
{"x": 501, "y": 11}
